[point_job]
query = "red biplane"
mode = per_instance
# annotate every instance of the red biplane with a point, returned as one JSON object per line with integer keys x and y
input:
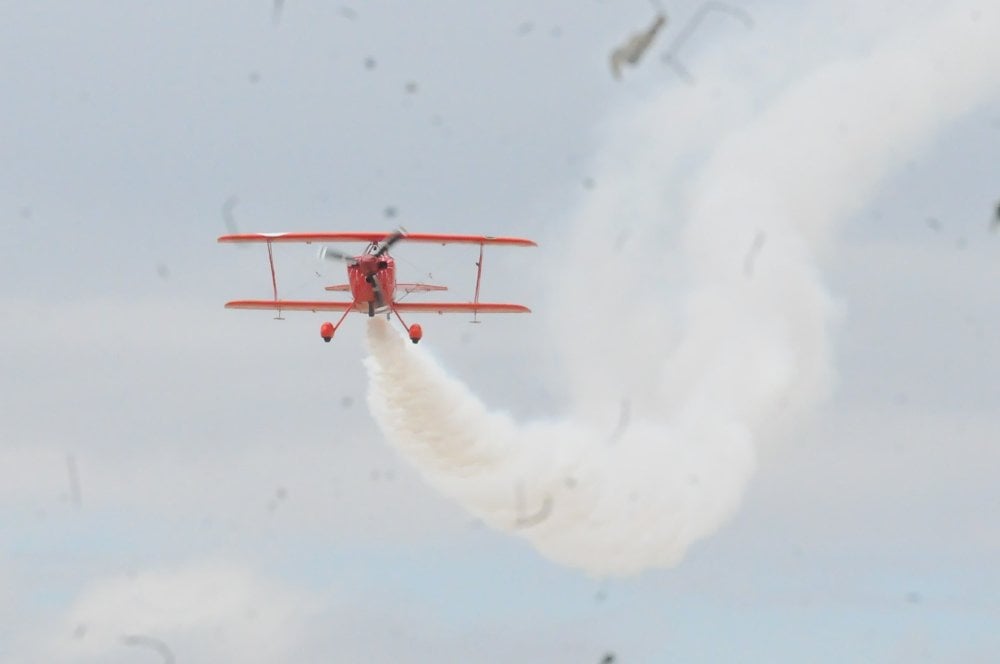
{"x": 371, "y": 277}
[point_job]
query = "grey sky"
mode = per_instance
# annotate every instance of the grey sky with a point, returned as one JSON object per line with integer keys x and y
{"x": 237, "y": 501}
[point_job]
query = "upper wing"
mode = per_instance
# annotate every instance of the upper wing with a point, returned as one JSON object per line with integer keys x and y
{"x": 365, "y": 236}
{"x": 462, "y": 307}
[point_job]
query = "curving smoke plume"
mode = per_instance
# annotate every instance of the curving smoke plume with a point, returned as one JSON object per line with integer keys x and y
{"x": 716, "y": 207}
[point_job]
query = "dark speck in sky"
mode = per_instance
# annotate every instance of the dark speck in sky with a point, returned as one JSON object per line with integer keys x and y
{"x": 525, "y": 520}
{"x": 227, "y": 214}
{"x": 280, "y": 494}
{"x": 751, "y": 257}
{"x": 624, "y": 416}
{"x": 622, "y": 238}
{"x": 370, "y": 63}
{"x": 149, "y": 642}
{"x": 670, "y": 56}
{"x": 630, "y": 52}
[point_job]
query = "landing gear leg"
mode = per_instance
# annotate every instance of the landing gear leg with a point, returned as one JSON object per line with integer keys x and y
{"x": 327, "y": 329}
{"x": 415, "y": 332}
{"x": 371, "y": 309}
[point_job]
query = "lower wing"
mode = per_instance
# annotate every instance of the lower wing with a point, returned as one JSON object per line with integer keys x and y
{"x": 293, "y": 305}
{"x": 462, "y": 307}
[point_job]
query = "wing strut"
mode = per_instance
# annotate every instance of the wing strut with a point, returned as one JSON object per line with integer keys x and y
{"x": 274, "y": 279}
{"x": 479, "y": 278}
{"x": 348, "y": 310}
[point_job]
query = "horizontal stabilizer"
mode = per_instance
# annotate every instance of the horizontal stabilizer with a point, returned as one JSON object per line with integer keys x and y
{"x": 406, "y": 288}
{"x": 420, "y": 288}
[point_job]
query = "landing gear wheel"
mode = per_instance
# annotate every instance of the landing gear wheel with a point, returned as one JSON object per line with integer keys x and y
{"x": 371, "y": 309}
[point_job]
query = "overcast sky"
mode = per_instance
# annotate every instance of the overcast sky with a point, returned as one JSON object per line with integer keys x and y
{"x": 175, "y": 476}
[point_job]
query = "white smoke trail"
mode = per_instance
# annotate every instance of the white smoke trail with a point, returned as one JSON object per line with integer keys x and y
{"x": 730, "y": 336}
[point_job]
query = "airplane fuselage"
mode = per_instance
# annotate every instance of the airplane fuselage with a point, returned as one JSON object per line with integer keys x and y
{"x": 368, "y": 267}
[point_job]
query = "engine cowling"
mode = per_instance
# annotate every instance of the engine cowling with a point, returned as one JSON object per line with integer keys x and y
{"x": 326, "y": 331}
{"x": 416, "y": 332}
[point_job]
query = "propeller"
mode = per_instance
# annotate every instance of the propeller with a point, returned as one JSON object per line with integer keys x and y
{"x": 383, "y": 247}
{"x": 327, "y": 253}
{"x": 377, "y": 287}
{"x": 390, "y": 240}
